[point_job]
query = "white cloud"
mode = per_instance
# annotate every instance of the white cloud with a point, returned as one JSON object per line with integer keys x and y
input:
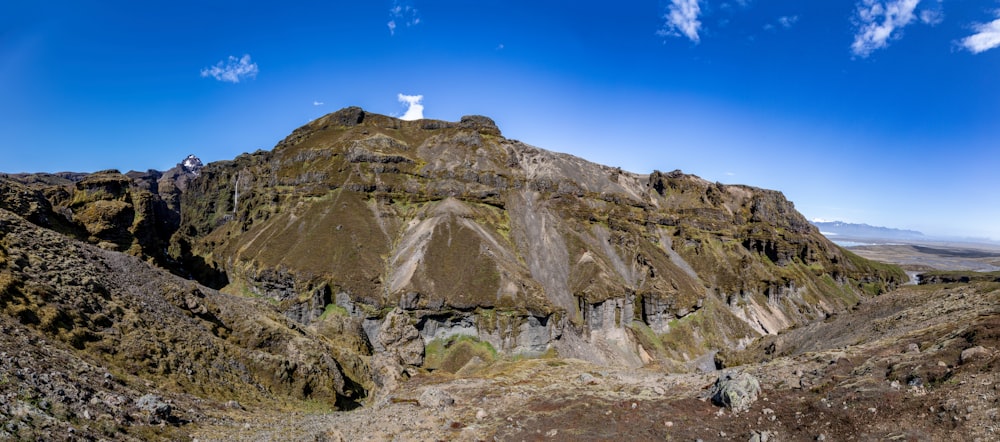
{"x": 787, "y": 21}
{"x": 931, "y": 16}
{"x": 318, "y": 103}
{"x": 414, "y": 110}
{"x": 402, "y": 13}
{"x": 682, "y": 20}
{"x": 740, "y": 3}
{"x": 232, "y": 69}
{"x": 878, "y": 21}
{"x": 987, "y": 37}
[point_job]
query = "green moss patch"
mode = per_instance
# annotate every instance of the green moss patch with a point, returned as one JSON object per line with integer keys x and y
{"x": 455, "y": 352}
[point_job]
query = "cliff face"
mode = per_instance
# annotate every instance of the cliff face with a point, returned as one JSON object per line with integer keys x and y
{"x": 465, "y": 232}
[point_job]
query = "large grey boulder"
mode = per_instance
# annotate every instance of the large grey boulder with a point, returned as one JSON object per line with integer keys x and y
{"x": 736, "y": 391}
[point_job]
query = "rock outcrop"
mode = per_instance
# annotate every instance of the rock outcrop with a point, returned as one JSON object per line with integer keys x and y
{"x": 735, "y": 391}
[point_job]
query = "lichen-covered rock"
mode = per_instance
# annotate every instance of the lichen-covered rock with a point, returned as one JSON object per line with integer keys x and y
{"x": 157, "y": 410}
{"x": 736, "y": 391}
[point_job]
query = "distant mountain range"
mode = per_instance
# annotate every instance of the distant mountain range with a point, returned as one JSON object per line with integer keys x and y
{"x": 840, "y": 228}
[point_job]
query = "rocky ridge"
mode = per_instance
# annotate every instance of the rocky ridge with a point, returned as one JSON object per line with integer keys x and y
{"x": 88, "y": 332}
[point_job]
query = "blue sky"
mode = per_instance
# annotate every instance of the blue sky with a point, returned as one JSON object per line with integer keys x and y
{"x": 877, "y": 111}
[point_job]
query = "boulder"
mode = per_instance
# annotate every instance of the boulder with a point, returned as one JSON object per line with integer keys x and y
{"x": 154, "y": 405}
{"x": 736, "y": 391}
{"x": 435, "y": 398}
{"x": 973, "y": 353}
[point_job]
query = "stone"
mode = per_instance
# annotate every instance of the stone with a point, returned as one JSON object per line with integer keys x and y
{"x": 481, "y": 414}
{"x": 154, "y": 405}
{"x": 435, "y": 398}
{"x": 736, "y": 391}
{"x": 399, "y": 336}
{"x": 913, "y": 348}
{"x": 973, "y": 353}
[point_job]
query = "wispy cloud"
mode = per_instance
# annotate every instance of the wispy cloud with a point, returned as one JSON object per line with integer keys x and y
{"x": 932, "y": 16}
{"x": 738, "y": 3}
{"x": 232, "y": 69}
{"x": 682, "y": 20}
{"x": 318, "y": 103}
{"x": 414, "y": 110}
{"x": 786, "y": 21}
{"x": 987, "y": 37}
{"x": 402, "y": 13}
{"x": 878, "y": 21}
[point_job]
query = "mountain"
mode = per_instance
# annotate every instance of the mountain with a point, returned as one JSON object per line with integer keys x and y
{"x": 864, "y": 231}
{"x": 463, "y": 232}
{"x": 363, "y": 251}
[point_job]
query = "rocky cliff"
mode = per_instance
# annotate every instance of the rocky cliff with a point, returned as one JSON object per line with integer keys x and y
{"x": 461, "y": 231}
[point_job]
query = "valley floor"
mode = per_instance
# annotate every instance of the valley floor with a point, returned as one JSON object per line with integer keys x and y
{"x": 921, "y": 256}
{"x": 920, "y": 363}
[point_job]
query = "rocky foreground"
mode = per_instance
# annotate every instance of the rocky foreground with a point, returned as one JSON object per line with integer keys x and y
{"x": 920, "y": 363}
